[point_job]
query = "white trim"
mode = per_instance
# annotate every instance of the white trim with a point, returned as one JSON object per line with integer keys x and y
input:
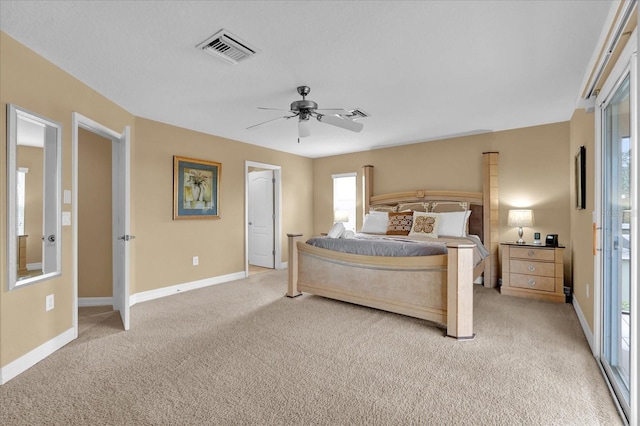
{"x": 583, "y": 322}
{"x": 605, "y": 42}
{"x": 341, "y": 175}
{"x": 95, "y": 301}
{"x": 80, "y": 121}
{"x": 626, "y": 64}
{"x": 277, "y": 195}
{"x": 145, "y": 296}
{"x": 33, "y": 357}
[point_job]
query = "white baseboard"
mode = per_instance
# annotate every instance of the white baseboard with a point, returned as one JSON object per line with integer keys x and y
{"x": 33, "y": 357}
{"x": 179, "y": 288}
{"x": 583, "y": 322}
{"x": 95, "y": 301}
{"x": 283, "y": 265}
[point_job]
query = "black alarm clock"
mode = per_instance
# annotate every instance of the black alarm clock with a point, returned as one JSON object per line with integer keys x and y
{"x": 551, "y": 240}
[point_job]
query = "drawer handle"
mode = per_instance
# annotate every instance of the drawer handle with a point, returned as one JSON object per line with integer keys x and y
{"x": 531, "y": 268}
{"x": 531, "y": 252}
{"x": 531, "y": 282}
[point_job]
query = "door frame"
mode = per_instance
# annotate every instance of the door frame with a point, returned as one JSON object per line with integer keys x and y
{"x": 627, "y": 63}
{"x": 277, "y": 204}
{"x": 80, "y": 121}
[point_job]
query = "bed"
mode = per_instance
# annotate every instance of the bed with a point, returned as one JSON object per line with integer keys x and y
{"x": 437, "y": 288}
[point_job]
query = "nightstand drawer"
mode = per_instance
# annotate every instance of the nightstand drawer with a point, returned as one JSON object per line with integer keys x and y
{"x": 533, "y": 253}
{"x": 532, "y": 282}
{"x": 532, "y": 268}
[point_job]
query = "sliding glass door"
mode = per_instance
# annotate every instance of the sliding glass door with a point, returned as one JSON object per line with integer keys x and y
{"x": 617, "y": 233}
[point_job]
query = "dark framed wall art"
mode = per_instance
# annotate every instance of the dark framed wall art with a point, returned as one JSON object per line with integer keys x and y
{"x": 581, "y": 184}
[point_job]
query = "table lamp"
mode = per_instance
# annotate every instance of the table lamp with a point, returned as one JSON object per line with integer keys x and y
{"x": 520, "y": 218}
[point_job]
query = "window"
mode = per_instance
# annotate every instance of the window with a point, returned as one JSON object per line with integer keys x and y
{"x": 20, "y": 195}
{"x": 344, "y": 199}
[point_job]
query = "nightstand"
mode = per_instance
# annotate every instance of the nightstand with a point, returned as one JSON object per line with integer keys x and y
{"x": 533, "y": 271}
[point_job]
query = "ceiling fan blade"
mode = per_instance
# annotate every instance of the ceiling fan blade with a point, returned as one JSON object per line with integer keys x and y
{"x": 274, "y": 109}
{"x": 340, "y": 122}
{"x": 269, "y": 121}
{"x": 336, "y": 111}
{"x": 304, "y": 128}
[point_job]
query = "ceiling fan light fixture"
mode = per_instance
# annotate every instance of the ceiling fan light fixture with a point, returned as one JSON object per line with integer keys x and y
{"x": 304, "y": 128}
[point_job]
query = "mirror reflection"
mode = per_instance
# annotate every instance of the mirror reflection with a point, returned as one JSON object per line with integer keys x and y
{"x": 34, "y": 176}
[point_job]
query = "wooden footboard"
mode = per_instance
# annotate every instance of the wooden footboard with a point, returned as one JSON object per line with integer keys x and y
{"x": 436, "y": 288}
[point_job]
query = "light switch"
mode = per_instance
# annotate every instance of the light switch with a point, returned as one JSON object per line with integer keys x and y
{"x": 67, "y": 196}
{"x": 66, "y": 218}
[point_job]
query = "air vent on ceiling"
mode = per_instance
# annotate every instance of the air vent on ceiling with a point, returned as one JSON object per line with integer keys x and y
{"x": 227, "y": 47}
{"x": 355, "y": 114}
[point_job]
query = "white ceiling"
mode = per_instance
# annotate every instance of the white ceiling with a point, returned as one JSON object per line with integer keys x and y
{"x": 423, "y": 70}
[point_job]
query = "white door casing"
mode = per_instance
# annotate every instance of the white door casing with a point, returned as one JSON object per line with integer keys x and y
{"x": 261, "y": 219}
{"x": 277, "y": 204}
{"x": 120, "y": 143}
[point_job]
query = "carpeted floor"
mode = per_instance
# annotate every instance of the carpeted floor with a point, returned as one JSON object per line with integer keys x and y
{"x": 241, "y": 353}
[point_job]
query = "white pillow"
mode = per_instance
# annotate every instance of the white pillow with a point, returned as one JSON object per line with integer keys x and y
{"x": 454, "y": 224}
{"x": 348, "y": 234}
{"x": 375, "y": 223}
{"x": 336, "y": 230}
{"x": 425, "y": 225}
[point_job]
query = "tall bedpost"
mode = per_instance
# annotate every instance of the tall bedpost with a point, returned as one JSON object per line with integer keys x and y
{"x": 367, "y": 188}
{"x": 491, "y": 203}
{"x": 460, "y": 291}
{"x": 292, "y": 289}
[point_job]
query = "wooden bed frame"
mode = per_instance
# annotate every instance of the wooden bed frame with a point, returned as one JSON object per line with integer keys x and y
{"x": 436, "y": 288}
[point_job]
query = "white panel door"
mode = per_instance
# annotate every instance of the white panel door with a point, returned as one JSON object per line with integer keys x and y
{"x": 120, "y": 181}
{"x": 261, "y": 219}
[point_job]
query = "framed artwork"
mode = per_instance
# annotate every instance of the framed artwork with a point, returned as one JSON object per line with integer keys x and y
{"x": 581, "y": 174}
{"x": 196, "y": 188}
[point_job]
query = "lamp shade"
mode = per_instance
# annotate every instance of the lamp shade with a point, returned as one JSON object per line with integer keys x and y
{"x": 520, "y": 218}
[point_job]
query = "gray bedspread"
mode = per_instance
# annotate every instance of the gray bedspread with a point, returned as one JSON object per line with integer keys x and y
{"x": 395, "y": 246}
{"x": 380, "y": 247}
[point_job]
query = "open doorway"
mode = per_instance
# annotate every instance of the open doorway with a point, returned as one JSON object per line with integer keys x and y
{"x": 100, "y": 158}
{"x": 263, "y": 217}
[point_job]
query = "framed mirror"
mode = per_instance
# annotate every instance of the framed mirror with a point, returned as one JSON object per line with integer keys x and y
{"x": 34, "y": 181}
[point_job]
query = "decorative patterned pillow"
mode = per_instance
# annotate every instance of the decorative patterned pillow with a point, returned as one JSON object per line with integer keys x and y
{"x": 387, "y": 209}
{"x": 425, "y": 225}
{"x": 400, "y": 223}
{"x": 416, "y": 207}
{"x": 448, "y": 206}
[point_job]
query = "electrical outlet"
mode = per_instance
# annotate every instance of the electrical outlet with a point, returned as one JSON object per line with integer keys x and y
{"x": 195, "y": 260}
{"x": 587, "y": 287}
{"x": 48, "y": 303}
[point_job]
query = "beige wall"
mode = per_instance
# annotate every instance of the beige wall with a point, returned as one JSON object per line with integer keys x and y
{"x": 31, "y": 82}
{"x": 161, "y": 255}
{"x": 583, "y": 134}
{"x": 95, "y": 270}
{"x": 32, "y": 158}
{"x": 534, "y": 172}
{"x": 165, "y": 247}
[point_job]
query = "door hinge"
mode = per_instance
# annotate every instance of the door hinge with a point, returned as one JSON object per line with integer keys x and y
{"x": 273, "y": 180}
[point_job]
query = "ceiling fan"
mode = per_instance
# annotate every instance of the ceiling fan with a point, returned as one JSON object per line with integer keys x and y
{"x": 305, "y": 109}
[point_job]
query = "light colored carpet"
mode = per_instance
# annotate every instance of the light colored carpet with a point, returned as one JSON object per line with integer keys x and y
{"x": 241, "y": 353}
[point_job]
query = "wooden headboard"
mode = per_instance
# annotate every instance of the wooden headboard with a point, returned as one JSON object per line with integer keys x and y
{"x": 484, "y": 206}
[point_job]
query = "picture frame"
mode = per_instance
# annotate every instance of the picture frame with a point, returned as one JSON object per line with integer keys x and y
{"x": 580, "y": 179}
{"x": 196, "y": 188}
